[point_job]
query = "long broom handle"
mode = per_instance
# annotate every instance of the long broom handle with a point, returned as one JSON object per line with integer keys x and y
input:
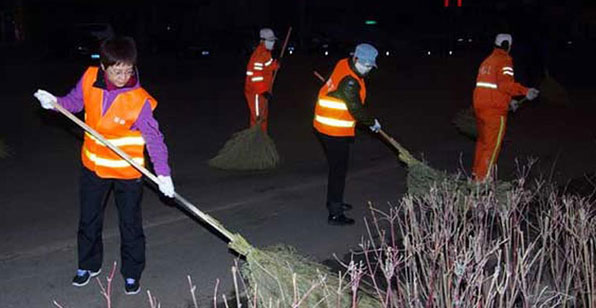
{"x": 189, "y": 206}
{"x": 383, "y": 134}
{"x": 281, "y": 55}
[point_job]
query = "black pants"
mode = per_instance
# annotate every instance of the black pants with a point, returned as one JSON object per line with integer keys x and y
{"x": 128, "y": 193}
{"x": 337, "y": 151}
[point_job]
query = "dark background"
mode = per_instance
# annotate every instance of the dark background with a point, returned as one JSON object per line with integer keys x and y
{"x": 192, "y": 59}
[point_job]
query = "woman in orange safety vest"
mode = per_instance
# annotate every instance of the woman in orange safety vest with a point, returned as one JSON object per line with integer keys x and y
{"x": 495, "y": 85}
{"x": 119, "y": 109}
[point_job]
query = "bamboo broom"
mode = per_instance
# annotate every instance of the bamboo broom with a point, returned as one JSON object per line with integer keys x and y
{"x": 276, "y": 273}
{"x": 251, "y": 148}
{"x": 421, "y": 177}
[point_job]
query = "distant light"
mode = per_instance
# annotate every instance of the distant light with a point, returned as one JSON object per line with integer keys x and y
{"x": 450, "y": 52}
{"x": 326, "y": 52}
{"x": 469, "y": 40}
{"x": 428, "y": 52}
{"x": 460, "y": 39}
{"x": 387, "y": 53}
{"x": 569, "y": 42}
{"x": 291, "y": 51}
{"x": 94, "y": 56}
{"x": 205, "y": 52}
{"x": 370, "y": 22}
{"x": 168, "y": 28}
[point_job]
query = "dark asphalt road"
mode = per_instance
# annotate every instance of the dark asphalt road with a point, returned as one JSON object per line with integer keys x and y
{"x": 201, "y": 105}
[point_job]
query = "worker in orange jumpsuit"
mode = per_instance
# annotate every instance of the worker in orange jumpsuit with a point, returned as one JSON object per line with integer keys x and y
{"x": 259, "y": 77}
{"x": 495, "y": 85}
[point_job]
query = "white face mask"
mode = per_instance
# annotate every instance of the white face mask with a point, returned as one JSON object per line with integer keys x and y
{"x": 269, "y": 44}
{"x": 362, "y": 69}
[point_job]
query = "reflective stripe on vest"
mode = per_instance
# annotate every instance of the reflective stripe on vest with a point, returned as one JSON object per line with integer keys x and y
{"x": 114, "y": 124}
{"x": 332, "y": 116}
{"x": 488, "y": 85}
{"x": 119, "y": 142}
{"x": 334, "y": 122}
{"x": 111, "y": 163}
{"x": 326, "y": 103}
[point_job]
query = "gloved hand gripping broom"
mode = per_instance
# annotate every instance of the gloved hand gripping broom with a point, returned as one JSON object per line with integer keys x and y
{"x": 232, "y": 237}
{"x": 279, "y": 272}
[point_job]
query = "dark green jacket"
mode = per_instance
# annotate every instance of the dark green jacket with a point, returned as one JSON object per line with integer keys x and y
{"x": 348, "y": 91}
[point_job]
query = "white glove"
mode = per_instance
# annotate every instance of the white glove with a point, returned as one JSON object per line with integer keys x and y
{"x": 45, "y": 98}
{"x": 532, "y": 94}
{"x": 166, "y": 186}
{"x": 513, "y": 105}
{"x": 376, "y": 127}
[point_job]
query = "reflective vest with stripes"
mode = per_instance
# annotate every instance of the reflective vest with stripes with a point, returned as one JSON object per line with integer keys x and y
{"x": 115, "y": 126}
{"x": 332, "y": 116}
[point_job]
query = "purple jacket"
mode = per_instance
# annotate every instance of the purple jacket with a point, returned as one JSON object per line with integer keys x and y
{"x": 146, "y": 123}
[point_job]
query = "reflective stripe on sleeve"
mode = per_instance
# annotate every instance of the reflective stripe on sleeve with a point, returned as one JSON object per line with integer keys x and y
{"x": 256, "y": 78}
{"x": 508, "y": 73}
{"x": 489, "y": 85}
{"x": 269, "y": 62}
{"x": 249, "y": 73}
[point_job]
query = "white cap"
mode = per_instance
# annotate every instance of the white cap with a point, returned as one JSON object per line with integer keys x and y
{"x": 267, "y": 34}
{"x": 502, "y": 37}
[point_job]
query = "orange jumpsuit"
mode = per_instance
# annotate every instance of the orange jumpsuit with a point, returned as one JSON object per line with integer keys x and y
{"x": 259, "y": 76}
{"x": 495, "y": 86}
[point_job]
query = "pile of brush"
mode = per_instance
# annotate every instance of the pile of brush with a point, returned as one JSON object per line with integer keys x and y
{"x": 249, "y": 149}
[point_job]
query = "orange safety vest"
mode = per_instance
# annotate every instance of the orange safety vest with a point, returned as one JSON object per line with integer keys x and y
{"x": 114, "y": 126}
{"x": 332, "y": 116}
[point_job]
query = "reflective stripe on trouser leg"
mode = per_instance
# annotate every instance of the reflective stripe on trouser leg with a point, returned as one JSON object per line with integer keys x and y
{"x": 497, "y": 147}
{"x": 257, "y": 104}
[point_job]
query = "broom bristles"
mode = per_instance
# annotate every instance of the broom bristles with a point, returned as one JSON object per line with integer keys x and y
{"x": 249, "y": 149}
{"x": 5, "y": 150}
{"x": 283, "y": 275}
{"x": 552, "y": 92}
{"x": 465, "y": 122}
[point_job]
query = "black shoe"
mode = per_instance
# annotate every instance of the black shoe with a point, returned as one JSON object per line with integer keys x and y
{"x": 131, "y": 286}
{"x": 340, "y": 220}
{"x": 343, "y": 207}
{"x": 83, "y": 276}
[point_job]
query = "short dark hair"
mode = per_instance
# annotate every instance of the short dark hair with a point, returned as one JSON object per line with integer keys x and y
{"x": 118, "y": 49}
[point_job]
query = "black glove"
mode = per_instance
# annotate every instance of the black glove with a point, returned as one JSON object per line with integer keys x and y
{"x": 268, "y": 96}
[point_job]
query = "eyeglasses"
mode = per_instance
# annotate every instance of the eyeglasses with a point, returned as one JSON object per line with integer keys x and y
{"x": 120, "y": 72}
